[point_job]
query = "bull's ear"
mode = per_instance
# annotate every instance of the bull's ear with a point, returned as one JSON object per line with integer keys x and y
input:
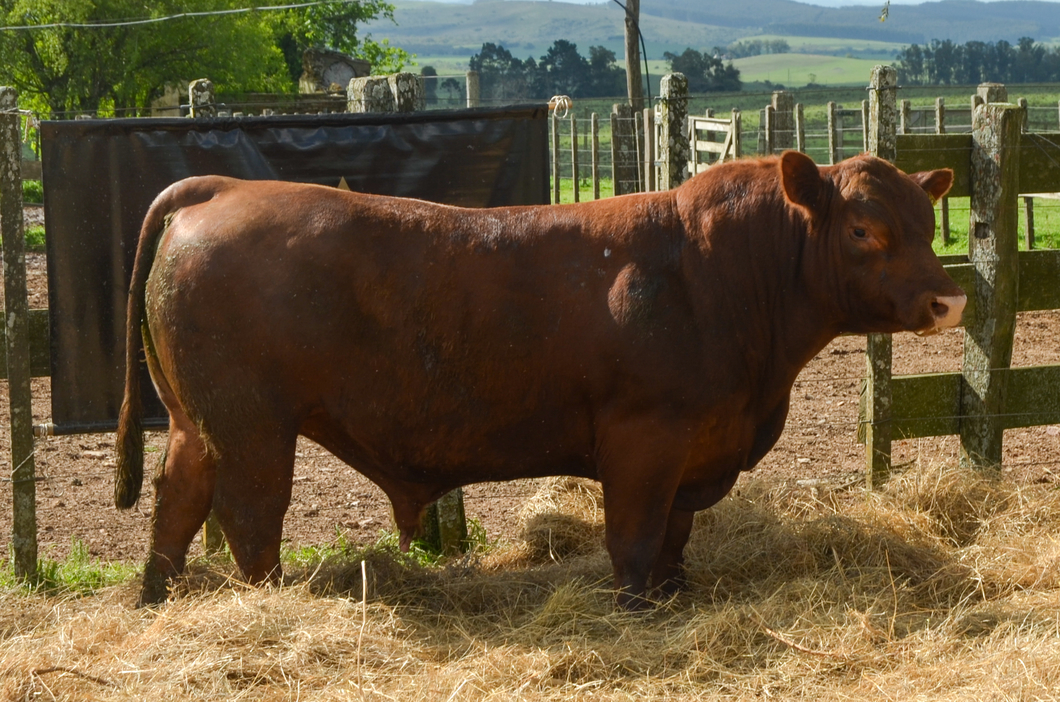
{"x": 802, "y": 182}
{"x": 935, "y": 183}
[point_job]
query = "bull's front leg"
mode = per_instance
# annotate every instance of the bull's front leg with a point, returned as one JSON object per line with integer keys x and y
{"x": 640, "y": 465}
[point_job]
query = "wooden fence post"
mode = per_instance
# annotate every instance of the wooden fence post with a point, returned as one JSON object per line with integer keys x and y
{"x": 624, "y": 170}
{"x": 574, "y": 155}
{"x": 554, "y": 119}
{"x": 649, "y": 149}
{"x": 1028, "y": 201}
{"x": 474, "y": 89}
{"x": 993, "y": 252}
{"x": 865, "y": 126}
{"x": 904, "y": 117}
{"x": 594, "y": 130}
{"x": 944, "y": 205}
{"x": 16, "y": 319}
{"x": 201, "y": 101}
{"x": 1028, "y": 222}
{"x": 800, "y": 128}
{"x": 769, "y": 119}
{"x": 783, "y": 104}
{"x": 673, "y": 132}
{"x": 882, "y": 138}
{"x": 833, "y": 135}
{"x": 734, "y": 126}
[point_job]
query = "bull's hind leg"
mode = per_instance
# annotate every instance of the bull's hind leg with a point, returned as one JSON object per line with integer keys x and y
{"x": 251, "y": 496}
{"x": 183, "y": 493}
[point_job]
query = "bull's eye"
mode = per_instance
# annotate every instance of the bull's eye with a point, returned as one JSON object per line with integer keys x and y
{"x": 860, "y": 234}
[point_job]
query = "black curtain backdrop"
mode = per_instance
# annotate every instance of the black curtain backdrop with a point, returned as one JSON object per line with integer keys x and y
{"x": 101, "y": 176}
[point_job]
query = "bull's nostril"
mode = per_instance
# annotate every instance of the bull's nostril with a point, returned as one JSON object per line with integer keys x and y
{"x": 939, "y": 309}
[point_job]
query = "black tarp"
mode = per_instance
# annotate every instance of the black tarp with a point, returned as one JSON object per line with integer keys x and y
{"x": 101, "y": 176}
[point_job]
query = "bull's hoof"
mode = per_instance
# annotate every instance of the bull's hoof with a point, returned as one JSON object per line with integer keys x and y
{"x": 155, "y": 588}
{"x": 670, "y": 588}
{"x": 633, "y": 603}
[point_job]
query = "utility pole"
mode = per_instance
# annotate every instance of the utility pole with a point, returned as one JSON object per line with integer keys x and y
{"x": 633, "y": 76}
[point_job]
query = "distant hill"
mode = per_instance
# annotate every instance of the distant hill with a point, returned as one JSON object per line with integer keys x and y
{"x": 528, "y": 28}
{"x": 959, "y": 20}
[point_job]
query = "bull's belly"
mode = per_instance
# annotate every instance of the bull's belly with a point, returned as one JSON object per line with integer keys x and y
{"x": 444, "y": 451}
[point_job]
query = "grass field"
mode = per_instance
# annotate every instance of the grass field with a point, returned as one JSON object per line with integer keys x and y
{"x": 793, "y": 70}
{"x": 941, "y": 586}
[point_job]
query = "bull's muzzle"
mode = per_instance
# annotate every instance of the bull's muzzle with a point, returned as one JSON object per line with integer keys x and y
{"x": 946, "y": 312}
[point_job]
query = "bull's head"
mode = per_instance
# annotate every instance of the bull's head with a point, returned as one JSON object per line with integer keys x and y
{"x": 872, "y": 226}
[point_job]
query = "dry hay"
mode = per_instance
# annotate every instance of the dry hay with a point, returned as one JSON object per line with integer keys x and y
{"x": 944, "y": 585}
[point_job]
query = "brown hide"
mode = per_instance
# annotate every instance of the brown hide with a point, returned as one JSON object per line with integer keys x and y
{"x": 647, "y": 341}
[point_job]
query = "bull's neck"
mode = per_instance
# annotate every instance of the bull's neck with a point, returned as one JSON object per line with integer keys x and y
{"x": 749, "y": 279}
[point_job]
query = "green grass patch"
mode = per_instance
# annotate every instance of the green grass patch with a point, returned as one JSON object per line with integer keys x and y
{"x": 421, "y": 553}
{"x": 1046, "y": 226}
{"x": 33, "y": 192}
{"x": 78, "y": 574}
{"x": 801, "y": 69}
{"x": 35, "y": 239}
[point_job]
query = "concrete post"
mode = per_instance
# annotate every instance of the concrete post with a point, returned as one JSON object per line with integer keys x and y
{"x": 673, "y": 132}
{"x": 201, "y": 101}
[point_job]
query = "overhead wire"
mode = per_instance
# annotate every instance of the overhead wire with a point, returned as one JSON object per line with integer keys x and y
{"x": 167, "y": 18}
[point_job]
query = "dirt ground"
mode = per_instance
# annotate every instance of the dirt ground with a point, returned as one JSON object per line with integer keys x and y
{"x": 74, "y": 493}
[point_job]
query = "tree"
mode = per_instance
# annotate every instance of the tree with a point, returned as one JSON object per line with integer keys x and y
{"x": 430, "y": 84}
{"x": 92, "y": 69}
{"x": 605, "y": 76}
{"x": 704, "y": 73}
{"x": 333, "y": 25}
{"x": 88, "y": 69}
{"x": 563, "y": 71}
{"x": 502, "y": 77}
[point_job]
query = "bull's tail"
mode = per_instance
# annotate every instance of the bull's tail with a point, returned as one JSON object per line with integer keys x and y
{"x": 129, "y": 473}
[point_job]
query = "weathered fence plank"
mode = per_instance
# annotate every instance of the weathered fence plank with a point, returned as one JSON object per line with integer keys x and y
{"x": 1040, "y": 170}
{"x": 930, "y": 404}
{"x": 919, "y": 152}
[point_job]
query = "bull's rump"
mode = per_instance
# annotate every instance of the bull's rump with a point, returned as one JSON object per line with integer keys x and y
{"x": 420, "y": 337}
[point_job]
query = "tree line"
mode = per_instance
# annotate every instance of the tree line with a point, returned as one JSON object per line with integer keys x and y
{"x": 943, "y": 62}
{"x": 563, "y": 71}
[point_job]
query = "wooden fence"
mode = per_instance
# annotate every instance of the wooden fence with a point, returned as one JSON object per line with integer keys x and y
{"x": 992, "y": 165}
{"x": 982, "y": 400}
{"x": 25, "y": 336}
{"x": 619, "y": 149}
{"x": 987, "y": 396}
